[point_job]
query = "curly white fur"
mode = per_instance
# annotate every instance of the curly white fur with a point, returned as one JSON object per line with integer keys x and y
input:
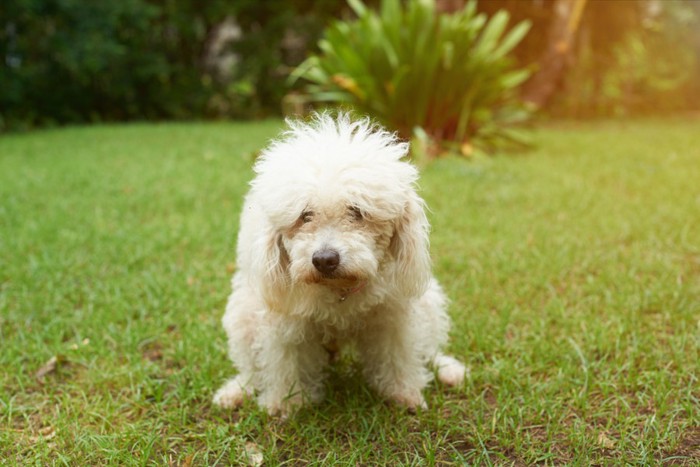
{"x": 333, "y": 252}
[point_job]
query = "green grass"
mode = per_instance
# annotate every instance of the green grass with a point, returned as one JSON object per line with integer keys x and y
{"x": 574, "y": 273}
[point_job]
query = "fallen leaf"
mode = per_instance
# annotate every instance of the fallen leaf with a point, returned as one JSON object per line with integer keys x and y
{"x": 253, "y": 454}
{"x": 605, "y": 442}
{"x": 49, "y": 367}
{"x": 45, "y": 433}
{"x": 188, "y": 461}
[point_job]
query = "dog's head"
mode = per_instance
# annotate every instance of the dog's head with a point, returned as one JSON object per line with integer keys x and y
{"x": 342, "y": 210}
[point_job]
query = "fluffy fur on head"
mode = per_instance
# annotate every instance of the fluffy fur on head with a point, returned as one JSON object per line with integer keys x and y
{"x": 333, "y": 251}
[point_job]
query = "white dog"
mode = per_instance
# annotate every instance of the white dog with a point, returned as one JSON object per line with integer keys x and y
{"x": 333, "y": 254}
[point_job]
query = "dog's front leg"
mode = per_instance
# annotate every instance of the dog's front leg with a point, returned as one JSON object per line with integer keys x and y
{"x": 291, "y": 368}
{"x": 392, "y": 363}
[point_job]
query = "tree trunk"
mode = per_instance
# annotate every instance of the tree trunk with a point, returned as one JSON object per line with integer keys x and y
{"x": 554, "y": 61}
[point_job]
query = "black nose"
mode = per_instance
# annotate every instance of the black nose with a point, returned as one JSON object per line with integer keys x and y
{"x": 326, "y": 261}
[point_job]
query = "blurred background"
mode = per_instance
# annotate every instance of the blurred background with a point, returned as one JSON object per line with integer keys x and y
{"x": 80, "y": 61}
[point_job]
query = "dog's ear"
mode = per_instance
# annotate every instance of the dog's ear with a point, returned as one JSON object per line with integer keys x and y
{"x": 409, "y": 247}
{"x": 271, "y": 261}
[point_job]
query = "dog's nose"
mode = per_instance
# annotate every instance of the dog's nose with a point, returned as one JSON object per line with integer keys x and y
{"x": 326, "y": 261}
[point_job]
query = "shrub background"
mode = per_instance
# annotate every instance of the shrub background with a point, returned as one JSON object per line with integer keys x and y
{"x": 67, "y": 61}
{"x": 70, "y": 61}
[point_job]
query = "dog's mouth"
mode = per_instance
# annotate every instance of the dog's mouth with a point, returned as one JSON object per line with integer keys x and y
{"x": 337, "y": 282}
{"x": 343, "y": 287}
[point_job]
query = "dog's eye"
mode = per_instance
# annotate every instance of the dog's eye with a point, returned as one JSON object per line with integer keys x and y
{"x": 307, "y": 216}
{"x": 356, "y": 213}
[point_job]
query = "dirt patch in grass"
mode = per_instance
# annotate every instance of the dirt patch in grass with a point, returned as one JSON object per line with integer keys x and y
{"x": 688, "y": 450}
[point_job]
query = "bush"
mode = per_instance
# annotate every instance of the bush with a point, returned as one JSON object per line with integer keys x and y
{"x": 68, "y": 61}
{"x": 420, "y": 72}
{"x": 277, "y": 36}
{"x": 73, "y": 61}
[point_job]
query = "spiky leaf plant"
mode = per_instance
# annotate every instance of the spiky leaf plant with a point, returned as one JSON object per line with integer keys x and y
{"x": 446, "y": 76}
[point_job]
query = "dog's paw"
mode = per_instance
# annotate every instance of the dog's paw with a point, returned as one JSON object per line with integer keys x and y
{"x": 284, "y": 407}
{"x": 412, "y": 401}
{"x": 231, "y": 395}
{"x": 450, "y": 371}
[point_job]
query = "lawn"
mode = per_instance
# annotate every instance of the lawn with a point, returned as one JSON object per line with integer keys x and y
{"x": 574, "y": 273}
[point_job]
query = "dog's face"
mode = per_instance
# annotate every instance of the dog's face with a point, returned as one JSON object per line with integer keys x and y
{"x": 336, "y": 243}
{"x": 342, "y": 210}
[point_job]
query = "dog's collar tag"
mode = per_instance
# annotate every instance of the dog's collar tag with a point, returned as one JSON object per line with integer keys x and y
{"x": 347, "y": 292}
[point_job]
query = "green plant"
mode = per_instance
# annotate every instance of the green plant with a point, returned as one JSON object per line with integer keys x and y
{"x": 449, "y": 76}
{"x": 69, "y": 61}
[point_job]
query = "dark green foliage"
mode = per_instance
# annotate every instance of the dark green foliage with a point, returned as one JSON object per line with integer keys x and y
{"x": 277, "y": 36}
{"x": 69, "y": 61}
{"x": 64, "y": 61}
{"x": 77, "y": 60}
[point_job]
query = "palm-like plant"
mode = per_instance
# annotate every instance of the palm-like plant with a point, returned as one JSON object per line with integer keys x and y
{"x": 446, "y": 76}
